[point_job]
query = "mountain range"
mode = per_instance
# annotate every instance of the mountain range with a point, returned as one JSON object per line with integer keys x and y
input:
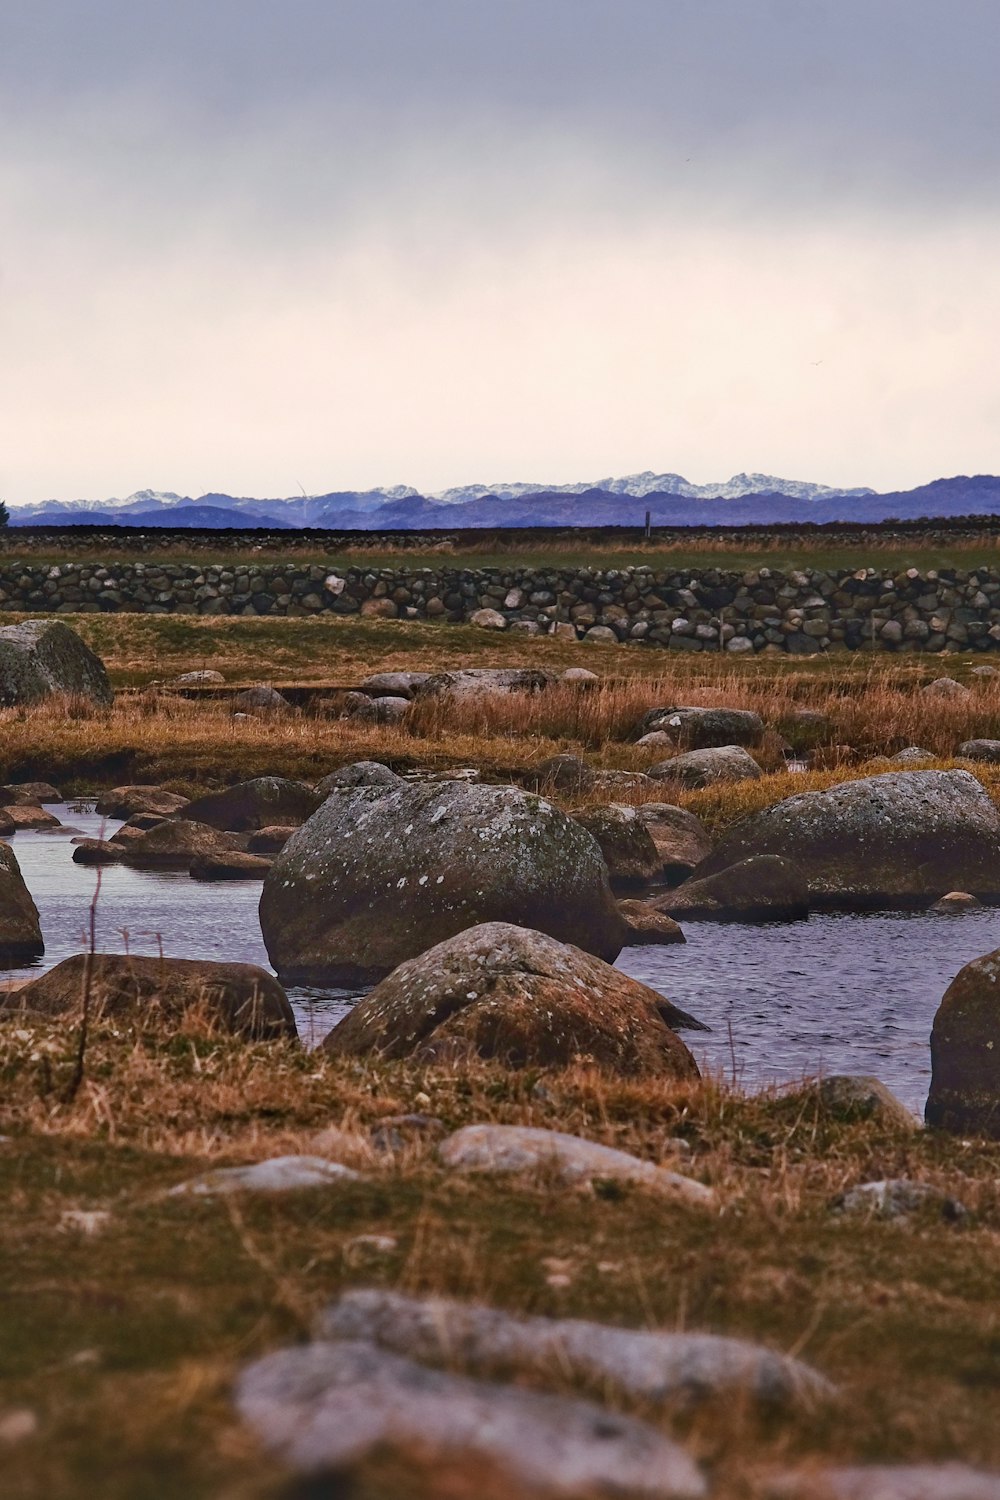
{"x": 672, "y": 500}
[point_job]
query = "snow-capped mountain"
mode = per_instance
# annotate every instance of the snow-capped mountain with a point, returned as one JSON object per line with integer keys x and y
{"x": 648, "y": 483}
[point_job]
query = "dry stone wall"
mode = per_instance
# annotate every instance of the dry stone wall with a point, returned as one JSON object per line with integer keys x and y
{"x": 761, "y": 610}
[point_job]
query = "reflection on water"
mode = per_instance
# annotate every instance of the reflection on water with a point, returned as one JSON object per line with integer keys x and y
{"x": 836, "y": 993}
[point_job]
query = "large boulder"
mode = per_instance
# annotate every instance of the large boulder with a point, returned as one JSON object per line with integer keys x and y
{"x": 965, "y": 1052}
{"x": 984, "y": 750}
{"x": 763, "y": 888}
{"x": 261, "y": 803}
{"x": 696, "y": 768}
{"x": 20, "y": 931}
{"x": 889, "y": 841}
{"x": 29, "y": 792}
{"x": 506, "y": 992}
{"x": 703, "y": 728}
{"x": 380, "y": 874}
{"x": 126, "y": 801}
{"x": 39, "y": 658}
{"x": 626, "y": 843}
{"x": 358, "y": 773}
{"x": 241, "y": 998}
{"x": 486, "y": 682}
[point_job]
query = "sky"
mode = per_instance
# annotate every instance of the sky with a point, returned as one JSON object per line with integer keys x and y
{"x": 265, "y": 246}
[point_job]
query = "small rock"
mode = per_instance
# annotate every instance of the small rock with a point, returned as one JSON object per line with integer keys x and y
{"x": 964, "y": 1095}
{"x": 123, "y": 801}
{"x": 281, "y": 1174}
{"x": 647, "y": 925}
{"x": 394, "y": 684}
{"x": 380, "y": 710}
{"x": 17, "y": 1424}
{"x": 946, "y": 687}
{"x": 260, "y": 700}
{"x": 854, "y": 1096}
{"x": 97, "y": 852}
{"x": 83, "y": 1221}
{"x": 578, "y": 674}
{"x": 898, "y": 1198}
{"x": 488, "y": 619}
{"x": 206, "y": 678}
{"x": 763, "y": 888}
{"x": 957, "y": 901}
{"x": 985, "y": 672}
{"x": 913, "y": 755}
{"x": 269, "y": 840}
{"x": 326, "y": 1406}
{"x": 234, "y": 865}
{"x": 560, "y": 773}
{"x": 575, "y": 1161}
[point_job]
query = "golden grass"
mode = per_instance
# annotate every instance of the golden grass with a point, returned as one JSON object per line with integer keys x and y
{"x": 124, "y": 1339}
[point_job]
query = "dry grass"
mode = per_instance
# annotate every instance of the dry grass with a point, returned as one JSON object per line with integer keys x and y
{"x": 136, "y": 1328}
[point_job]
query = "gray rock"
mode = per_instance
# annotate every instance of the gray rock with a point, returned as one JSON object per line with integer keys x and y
{"x": 899, "y": 1198}
{"x": 39, "y": 658}
{"x": 680, "y": 838}
{"x": 260, "y": 700}
{"x": 964, "y": 1095}
{"x": 326, "y": 1406}
{"x": 503, "y": 991}
{"x": 883, "y": 841}
{"x": 888, "y": 1482}
{"x": 580, "y": 675}
{"x": 260, "y": 803}
{"x": 359, "y": 773}
{"x": 480, "y": 682}
{"x": 763, "y": 888}
{"x": 561, "y": 773}
{"x": 856, "y": 1096}
{"x": 912, "y": 756}
{"x": 20, "y": 930}
{"x": 488, "y": 619}
{"x": 526, "y": 1149}
{"x": 984, "y": 750}
{"x": 380, "y": 710}
{"x": 652, "y": 1368}
{"x": 394, "y": 684}
{"x": 206, "y": 678}
{"x": 985, "y": 671}
{"x": 704, "y": 728}
{"x": 378, "y": 875}
{"x": 280, "y": 1174}
{"x": 948, "y": 688}
{"x": 695, "y": 768}
{"x": 629, "y": 852}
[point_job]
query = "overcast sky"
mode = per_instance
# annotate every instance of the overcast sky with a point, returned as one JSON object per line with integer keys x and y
{"x": 248, "y": 245}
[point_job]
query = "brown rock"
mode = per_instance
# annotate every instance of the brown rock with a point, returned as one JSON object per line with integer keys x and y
{"x": 97, "y": 852}
{"x": 519, "y": 996}
{"x": 176, "y": 844}
{"x": 245, "y": 999}
{"x": 628, "y": 848}
{"x": 965, "y": 1052}
{"x": 32, "y": 792}
{"x": 647, "y": 925}
{"x": 755, "y": 890}
{"x": 123, "y": 801}
{"x": 269, "y": 840}
{"x": 27, "y": 817}
{"x": 236, "y": 865}
{"x": 20, "y": 932}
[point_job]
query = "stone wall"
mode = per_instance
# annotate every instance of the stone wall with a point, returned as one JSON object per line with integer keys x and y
{"x": 761, "y": 610}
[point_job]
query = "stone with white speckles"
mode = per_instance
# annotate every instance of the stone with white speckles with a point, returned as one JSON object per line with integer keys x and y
{"x": 965, "y": 1052}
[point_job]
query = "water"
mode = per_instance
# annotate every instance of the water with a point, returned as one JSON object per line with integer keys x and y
{"x": 834, "y": 993}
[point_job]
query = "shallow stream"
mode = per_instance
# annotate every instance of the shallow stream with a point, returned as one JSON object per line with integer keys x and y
{"x": 833, "y": 993}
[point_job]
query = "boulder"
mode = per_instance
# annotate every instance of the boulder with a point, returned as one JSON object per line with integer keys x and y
{"x": 965, "y": 1052}
{"x": 97, "y": 852}
{"x": 7, "y": 826}
{"x": 124, "y": 801}
{"x": 645, "y": 925}
{"x": 394, "y": 684}
{"x": 855, "y": 1097}
{"x": 486, "y": 682}
{"x": 626, "y": 843}
{"x": 912, "y": 755}
{"x": 948, "y": 689}
{"x": 260, "y": 700}
{"x": 899, "y": 1198}
{"x": 703, "y": 728}
{"x": 204, "y": 678}
{"x": 359, "y": 773}
{"x": 23, "y": 815}
{"x": 525, "y": 1149}
{"x": 176, "y": 844}
{"x": 20, "y": 931}
{"x": 260, "y": 803}
{"x": 659, "y": 1369}
{"x": 760, "y": 889}
{"x": 696, "y": 768}
{"x": 505, "y": 992}
{"x": 243, "y": 998}
{"x": 888, "y": 841}
{"x": 236, "y": 865}
{"x": 269, "y": 840}
{"x": 560, "y": 773}
{"x": 488, "y": 619}
{"x": 279, "y": 1174}
{"x": 984, "y": 750}
{"x": 33, "y": 792}
{"x": 379, "y": 710}
{"x": 804, "y": 728}
{"x": 379, "y": 874}
{"x": 39, "y": 658}
{"x": 581, "y": 675}
{"x": 680, "y": 838}
{"x": 324, "y": 1407}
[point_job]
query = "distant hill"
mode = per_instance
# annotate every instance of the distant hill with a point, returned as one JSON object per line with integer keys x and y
{"x": 746, "y": 499}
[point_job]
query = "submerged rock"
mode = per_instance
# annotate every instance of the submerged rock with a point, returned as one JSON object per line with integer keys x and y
{"x": 570, "y": 1158}
{"x": 760, "y": 889}
{"x": 891, "y": 840}
{"x": 325, "y": 1406}
{"x": 39, "y": 658}
{"x": 503, "y": 991}
{"x": 965, "y": 1052}
{"x": 639, "y": 1365}
{"x": 241, "y": 998}
{"x": 380, "y": 874}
